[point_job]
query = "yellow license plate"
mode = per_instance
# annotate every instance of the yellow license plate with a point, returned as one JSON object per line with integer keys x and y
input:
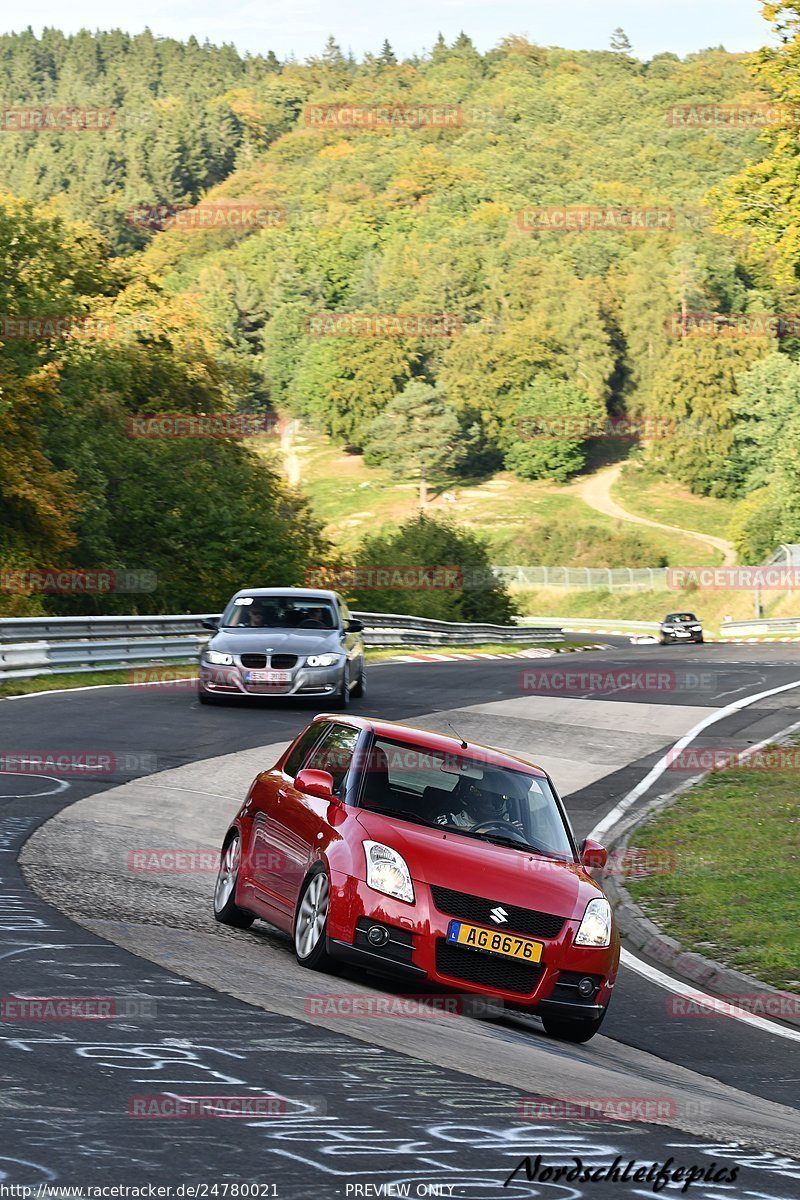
{"x": 475, "y": 937}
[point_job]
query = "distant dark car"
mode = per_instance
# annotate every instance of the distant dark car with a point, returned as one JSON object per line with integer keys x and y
{"x": 680, "y": 627}
{"x": 283, "y": 642}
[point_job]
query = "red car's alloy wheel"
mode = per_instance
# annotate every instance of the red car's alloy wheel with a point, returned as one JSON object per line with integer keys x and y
{"x": 311, "y": 920}
{"x": 226, "y": 909}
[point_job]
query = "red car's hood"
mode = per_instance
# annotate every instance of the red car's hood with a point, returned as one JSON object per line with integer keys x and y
{"x": 482, "y": 869}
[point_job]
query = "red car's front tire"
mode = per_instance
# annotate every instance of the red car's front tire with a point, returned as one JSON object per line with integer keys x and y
{"x": 572, "y": 1029}
{"x": 311, "y": 922}
{"x": 226, "y": 909}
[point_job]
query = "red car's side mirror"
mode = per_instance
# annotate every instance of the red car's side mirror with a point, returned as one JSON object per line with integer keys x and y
{"x": 593, "y": 854}
{"x": 315, "y": 783}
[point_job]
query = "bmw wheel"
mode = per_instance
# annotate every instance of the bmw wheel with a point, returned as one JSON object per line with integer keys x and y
{"x": 361, "y": 684}
{"x": 341, "y": 698}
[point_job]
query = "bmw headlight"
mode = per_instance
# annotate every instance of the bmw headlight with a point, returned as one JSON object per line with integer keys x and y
{"x": 388, "y": 872}
{"x": 595, "y": 928}
{"x": 219, "y": 659}
{"x": 322, "y": 660}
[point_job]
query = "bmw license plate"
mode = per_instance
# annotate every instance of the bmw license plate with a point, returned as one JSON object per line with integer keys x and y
{"x": 508, "y": 945}
{"x": 268, "y": 677}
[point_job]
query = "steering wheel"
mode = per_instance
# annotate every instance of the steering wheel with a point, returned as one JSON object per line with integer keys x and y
{"x": 311, "y": 624}
{"x": 503, "y": 827}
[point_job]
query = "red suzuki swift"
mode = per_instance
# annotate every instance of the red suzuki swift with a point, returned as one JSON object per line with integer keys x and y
{"x": 415, "y": 854}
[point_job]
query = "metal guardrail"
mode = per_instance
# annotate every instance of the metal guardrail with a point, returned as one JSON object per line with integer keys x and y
{"x": 601, "y": 624}
{"x": 40, "y": 646}
{"x": 393, "y": 629}
{"x": 759, "y": 626}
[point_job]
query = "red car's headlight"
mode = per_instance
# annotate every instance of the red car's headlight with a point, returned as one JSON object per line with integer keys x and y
{"x": 387, "y": 872}
{"x": 595, "y": 928}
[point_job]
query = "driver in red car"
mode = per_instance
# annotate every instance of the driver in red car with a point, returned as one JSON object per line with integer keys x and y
{"x": 477, "y": 806}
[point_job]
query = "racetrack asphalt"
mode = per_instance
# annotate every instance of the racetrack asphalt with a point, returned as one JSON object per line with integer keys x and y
{"x": 457, "y": 1082}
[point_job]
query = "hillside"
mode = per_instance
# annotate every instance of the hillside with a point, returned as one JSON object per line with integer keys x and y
{"x": 390, "y": 252}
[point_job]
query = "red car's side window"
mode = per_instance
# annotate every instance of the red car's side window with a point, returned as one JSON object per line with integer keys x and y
{"x": 335, "y": 753}
{"x": 302, "y": 747}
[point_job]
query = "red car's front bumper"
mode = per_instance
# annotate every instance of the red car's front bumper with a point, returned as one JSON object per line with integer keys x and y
{"x": 418, "y": 949}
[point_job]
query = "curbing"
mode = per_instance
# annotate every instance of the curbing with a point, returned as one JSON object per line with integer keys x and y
{"x": 644, "y": 935}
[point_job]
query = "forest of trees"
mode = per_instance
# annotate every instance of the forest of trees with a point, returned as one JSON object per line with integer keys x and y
{"x": 414, "y": 217}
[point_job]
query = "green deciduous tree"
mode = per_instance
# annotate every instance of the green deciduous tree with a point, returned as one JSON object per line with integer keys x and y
{"x": 417, "y": 436}
{"x": 551, "y": 426}
{"x": 472, "y": 593}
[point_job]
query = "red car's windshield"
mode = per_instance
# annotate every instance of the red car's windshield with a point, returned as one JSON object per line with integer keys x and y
{"x": 462, "y": 793}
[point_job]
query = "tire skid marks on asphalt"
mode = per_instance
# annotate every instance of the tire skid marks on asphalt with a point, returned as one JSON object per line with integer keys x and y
{"x": 61, "y": 786}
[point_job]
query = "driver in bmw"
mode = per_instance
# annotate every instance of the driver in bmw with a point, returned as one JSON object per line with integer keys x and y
{"x": 478, "y": 806}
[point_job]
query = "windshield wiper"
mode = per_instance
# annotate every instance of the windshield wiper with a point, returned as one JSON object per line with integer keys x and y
{"x": 501, "y": 839}
{"x": 404, "y": 812}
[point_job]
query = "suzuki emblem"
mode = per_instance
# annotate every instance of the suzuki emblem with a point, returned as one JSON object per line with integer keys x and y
{"x": 498, "y": 915}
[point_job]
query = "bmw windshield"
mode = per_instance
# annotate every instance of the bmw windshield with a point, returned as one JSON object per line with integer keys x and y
{"x": 279, "y": 612}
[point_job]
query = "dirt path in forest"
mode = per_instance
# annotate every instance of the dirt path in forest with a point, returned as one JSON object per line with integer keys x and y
{"x": 596, "y": 492}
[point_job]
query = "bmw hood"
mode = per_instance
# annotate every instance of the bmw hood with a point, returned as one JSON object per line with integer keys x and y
{"x": 278, "y": 641}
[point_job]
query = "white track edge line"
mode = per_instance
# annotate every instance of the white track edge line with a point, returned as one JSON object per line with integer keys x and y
{"x": 660, "y": 978}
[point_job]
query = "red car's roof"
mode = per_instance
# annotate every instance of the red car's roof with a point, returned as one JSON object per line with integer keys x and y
{"x": 435, "y": 741}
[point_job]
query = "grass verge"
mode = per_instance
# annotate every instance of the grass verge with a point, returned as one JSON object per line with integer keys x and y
{"x": 710, "y": 605}
{"x": 522, "y": 521}
{"x": 647, "y": 494}
{"x": 735, "y": 839}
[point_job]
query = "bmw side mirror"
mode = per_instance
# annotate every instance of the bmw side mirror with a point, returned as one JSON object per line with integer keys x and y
{"x": 315, "y": 783}
{"x": 354, "y": 626}
{"x": 593, "y": 854}
{"x": 210, "y": 623}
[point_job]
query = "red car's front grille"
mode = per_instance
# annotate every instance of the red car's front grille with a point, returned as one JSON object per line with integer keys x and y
{"x": 526, "y": 921}
{"x": 486, "y": 970}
